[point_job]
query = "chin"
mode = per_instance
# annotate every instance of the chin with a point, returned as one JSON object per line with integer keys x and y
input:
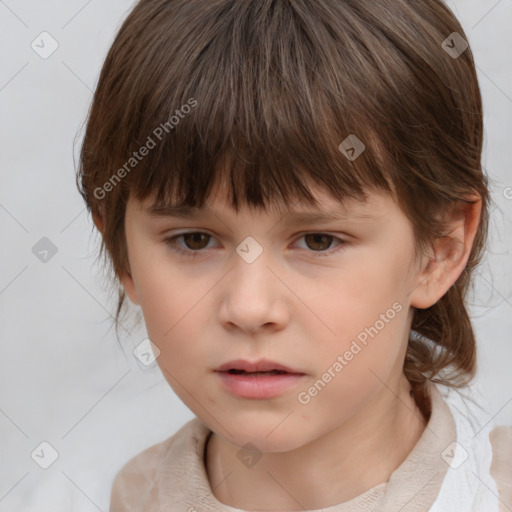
{"x": 277, "y": 444}
{"x": 264, "y": 435}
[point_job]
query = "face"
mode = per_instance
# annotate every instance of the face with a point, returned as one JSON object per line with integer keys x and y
{"x": 328, "y": 300}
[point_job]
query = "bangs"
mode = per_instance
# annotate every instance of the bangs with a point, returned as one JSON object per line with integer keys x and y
{"x": 266, "y": 100}
{"x": 241, "y": 104}
{"x": 257, "y": 168}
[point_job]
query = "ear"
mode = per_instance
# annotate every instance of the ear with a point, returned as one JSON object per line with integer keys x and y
{"x": 98, "y": 221}
{"x": 129, "y": 287}
{"x": 450, "y": 255}
{"x": 126, "y": 280}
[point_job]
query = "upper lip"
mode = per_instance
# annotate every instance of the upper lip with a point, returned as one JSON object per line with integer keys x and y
{"x": 263, "y": 365}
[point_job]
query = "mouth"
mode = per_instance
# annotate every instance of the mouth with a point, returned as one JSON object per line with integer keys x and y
{"x": 256, "y": 374}
{"x": 259, "y": 380}
{"x": 261, "y": 367}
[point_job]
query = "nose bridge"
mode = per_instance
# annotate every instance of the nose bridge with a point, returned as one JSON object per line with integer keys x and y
{"x": 251, "y": 292}
{"x": 251, "y": 264}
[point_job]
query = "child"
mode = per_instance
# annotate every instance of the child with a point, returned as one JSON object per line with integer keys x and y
{"x": 323, "y": 375}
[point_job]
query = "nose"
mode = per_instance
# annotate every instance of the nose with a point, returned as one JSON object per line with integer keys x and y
{"x": 254, "y": 297}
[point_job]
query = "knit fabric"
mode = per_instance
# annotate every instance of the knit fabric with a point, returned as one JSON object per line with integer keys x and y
{"x": 448, "y": 469}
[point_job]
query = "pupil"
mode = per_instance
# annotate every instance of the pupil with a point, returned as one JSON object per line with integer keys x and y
{"x": 317, "y": 242}
{"x": 318, "y": 238}
{"x": 196, "y": 237}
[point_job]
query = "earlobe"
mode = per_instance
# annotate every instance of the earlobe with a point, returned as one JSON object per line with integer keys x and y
{"x": 126, "y": 280}
{"x": 98, "y": 221}
{"x": 450, "y": 255}
{"x": 129, "y": 287}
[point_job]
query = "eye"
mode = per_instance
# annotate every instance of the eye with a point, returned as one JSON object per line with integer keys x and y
{"x": 321, "y": 242}
{"x": 194, "y": 242}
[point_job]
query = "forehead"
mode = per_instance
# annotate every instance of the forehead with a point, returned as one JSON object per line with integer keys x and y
{"x": 375, "y": 206}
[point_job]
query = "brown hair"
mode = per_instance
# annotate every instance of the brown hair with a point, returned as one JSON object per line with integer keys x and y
{"x": 260, "y": 94}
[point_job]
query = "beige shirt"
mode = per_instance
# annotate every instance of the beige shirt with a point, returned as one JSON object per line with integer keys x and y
{"x": 171, "y": 475}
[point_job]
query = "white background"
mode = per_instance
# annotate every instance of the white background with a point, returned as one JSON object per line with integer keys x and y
{"x": 64, "y": 378}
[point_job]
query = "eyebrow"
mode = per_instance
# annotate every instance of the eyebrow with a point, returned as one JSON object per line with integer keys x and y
{"x": 182, "y": 211}
{"x": 290, "y": 217}
{"x": 319, "y": 217}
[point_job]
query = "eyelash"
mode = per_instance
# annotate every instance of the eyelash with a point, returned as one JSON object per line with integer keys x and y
{"x": 171, "y": 243}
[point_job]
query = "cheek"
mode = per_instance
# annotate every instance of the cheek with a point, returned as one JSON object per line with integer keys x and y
{"x": 365, "y": 348}
{"x": 175, "y": 307}
{"x": 350, "y": 374}
{"x": 368, "y": 324}
{"x": 167, "y": 293}
{"x": 367, "y": 299}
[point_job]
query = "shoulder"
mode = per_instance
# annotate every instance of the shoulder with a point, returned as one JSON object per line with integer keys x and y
{"x": 494, "y": 448}
{"x": 135, "y": 480}
{"x": 501, "y": 466}
{"x": 135, "y": 486}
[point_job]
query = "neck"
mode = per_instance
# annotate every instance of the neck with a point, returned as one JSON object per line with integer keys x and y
{"x": 348, "y": 461}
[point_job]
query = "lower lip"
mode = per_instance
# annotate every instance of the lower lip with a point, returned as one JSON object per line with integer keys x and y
{"x": 259, "y": 386}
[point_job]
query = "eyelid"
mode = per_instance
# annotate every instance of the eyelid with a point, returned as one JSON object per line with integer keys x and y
{"x": 340, "y": 245}
{"x": 171, "y": 242}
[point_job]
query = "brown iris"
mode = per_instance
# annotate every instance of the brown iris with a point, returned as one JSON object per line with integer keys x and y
{"x": 318, "y": 241}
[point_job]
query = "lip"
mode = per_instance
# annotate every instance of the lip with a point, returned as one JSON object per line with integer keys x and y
{"x": 263, "y": 365}
{"x": 259, "y": 387}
